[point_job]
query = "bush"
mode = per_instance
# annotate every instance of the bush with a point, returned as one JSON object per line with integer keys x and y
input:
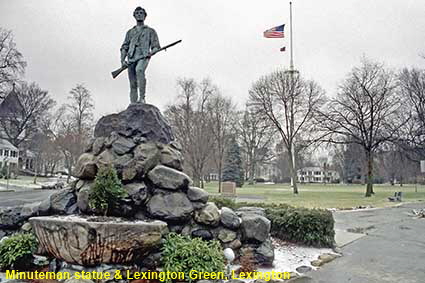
{"x": 16, "y": 251}
{"x": 107, "y": 191}
{"x": 223, "y": 202}
{"x": 313, "y": 227}
{"x": 183, "y": 254}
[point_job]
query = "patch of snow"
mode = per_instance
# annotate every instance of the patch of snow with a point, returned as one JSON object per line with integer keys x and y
{"x": 290, "y": 256}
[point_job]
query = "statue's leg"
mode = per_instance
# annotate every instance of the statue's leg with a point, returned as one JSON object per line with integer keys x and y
{"x": 133, "y": 83}
{"x": 141, "y": 78}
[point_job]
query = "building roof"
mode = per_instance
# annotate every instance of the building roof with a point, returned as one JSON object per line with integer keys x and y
{"x": 5, "y": 144}
{"x": 10, "y": 104}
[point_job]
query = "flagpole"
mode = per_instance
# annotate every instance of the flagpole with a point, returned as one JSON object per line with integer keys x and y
{"x": 292, "y": 126}
{"x": 291, "y": 65}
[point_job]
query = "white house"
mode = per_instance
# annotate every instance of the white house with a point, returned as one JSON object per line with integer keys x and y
{"x": 8, "y": 154}
{"x": 9, "y": 106}
{"x": 317, "y": 175}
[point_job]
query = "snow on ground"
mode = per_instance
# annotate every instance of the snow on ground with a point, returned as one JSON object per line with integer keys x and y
{"x": 290, "y": 256}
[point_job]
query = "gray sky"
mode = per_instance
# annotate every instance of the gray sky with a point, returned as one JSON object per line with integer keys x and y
{"x": 68, "y": 42}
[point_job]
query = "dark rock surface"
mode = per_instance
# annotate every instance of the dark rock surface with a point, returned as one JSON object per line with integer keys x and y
{"x": 142, "y": 120}
{"x": 229, "y": 218}
{"x": 170, "y": 207}
{"x": 255, "y": 227}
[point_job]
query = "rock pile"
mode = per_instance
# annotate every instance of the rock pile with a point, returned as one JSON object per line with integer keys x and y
{"x": 139, "y": 143}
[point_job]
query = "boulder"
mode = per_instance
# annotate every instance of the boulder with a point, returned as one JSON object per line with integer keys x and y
{"x": 226, "y": 235}
{"x": 168, "y": 178}
{"x": 97, "y": 240}
{"x": 88, "y": 146}
{"x": 203, "y": 234}
{"x": 123, "y": 145}
{"x": 250, "y": 210}
{"x": 138, "y": 119}
{"x": 79, "y": 184}
{"x": 86, "y": 167}
{"x": 327, "y": 257}
{"x": 208, "y": 215}
{"x": 62, "y": 202}
{"x": 125, "y": 168}
{"x": 152, "y": 261}
{"x": 26, "y": 227}
{"x": 197, "y": 194}
{"x": 14, "y": 217}
{"x": 264, "y": 254}
{"x": 198, "y": 205}
{"x": 235, "y": 244}
{"x": 44, "y": 206}
{"x": 171, "y": 156}
{"x": 303, "y": 269}
{"x": 146, "y": 156}
{"x": 229, "y": 218}
{"x": 83, "y": 200}
{"x": 137, "y": 192}
{"x": 255, "y": 227}
{"x": 98, "y": 145}
{"x": 105, "y": 158}
{"x": 2, "y": 234}
{"x": 170, "y": 207}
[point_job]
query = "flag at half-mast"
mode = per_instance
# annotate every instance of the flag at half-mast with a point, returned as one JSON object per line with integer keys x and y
{"x": 276, "y": 32}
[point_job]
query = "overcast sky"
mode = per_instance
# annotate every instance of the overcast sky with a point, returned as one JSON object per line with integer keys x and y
{"x": 68, "y": 42}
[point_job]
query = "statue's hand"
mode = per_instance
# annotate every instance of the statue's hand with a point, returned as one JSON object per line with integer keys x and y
{"x": 124, "y": 63}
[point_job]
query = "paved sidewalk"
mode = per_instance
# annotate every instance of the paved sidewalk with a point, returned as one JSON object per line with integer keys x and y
{"x": 392, "y": 250}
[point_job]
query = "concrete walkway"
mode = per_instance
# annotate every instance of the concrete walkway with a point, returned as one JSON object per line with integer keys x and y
{"x": 391, "y": 249}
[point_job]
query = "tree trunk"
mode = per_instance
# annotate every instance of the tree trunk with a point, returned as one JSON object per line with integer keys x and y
{"x": 369, "y": 186}
{"x": 219, "y": 177}
{"x": 251, "y": 172}
{"x": 293, "y": 170}
{"x": 196, "y": 180}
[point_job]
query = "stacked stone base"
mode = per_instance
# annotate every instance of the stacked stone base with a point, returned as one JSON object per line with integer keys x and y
{"x": 150, "y": 166}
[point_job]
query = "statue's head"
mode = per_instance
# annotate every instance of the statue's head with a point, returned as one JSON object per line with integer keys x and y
{"x": 139, "y": 14}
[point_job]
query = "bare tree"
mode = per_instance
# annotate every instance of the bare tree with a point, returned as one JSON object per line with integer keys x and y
{"x": 65, "y": 136}
{"x": 189, "y": 120}
{"x": 71, "y": 125}
{"x": 21, "y": 124}
{"x": 12, "y": 64}
{"x": 256, "y": 133}
{"x": 81, "y": 109}
{"x": 221, "y": 120}
{"x": 349, "y": 161}
{"x": 366, "y": 111}
{"x": 412, "y": 86}
{"x": 290, "y": 102}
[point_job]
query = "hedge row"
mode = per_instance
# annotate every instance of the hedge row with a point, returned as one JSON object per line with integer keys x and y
{"x": 312, "y": 227}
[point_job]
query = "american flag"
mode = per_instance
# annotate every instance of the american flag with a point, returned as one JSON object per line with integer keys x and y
{"x": 276, "y": 32}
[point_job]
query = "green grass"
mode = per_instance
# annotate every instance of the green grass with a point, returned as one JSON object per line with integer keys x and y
{"x": 326, "y": 196}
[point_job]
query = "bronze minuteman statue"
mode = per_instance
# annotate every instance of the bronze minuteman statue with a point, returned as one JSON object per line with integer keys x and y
{"x": 140, "y": 44}
{"x": 140, "y": 41}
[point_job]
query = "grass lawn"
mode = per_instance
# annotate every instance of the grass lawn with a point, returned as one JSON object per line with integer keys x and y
{"x": 326, "y": 196}
{"x": 23, "y": 181}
